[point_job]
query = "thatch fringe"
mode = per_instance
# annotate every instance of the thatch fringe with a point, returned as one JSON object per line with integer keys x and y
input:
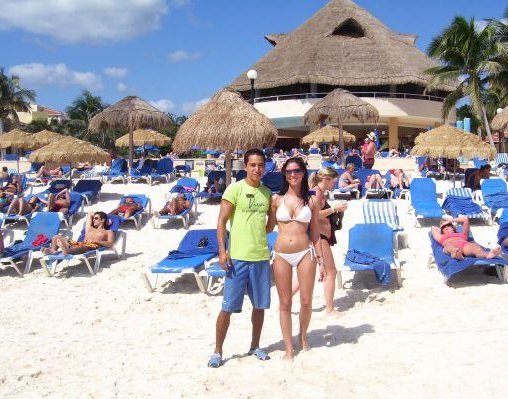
{"x": 500, "y": 121}
{"x": 143, "y": 137}
{"x": 228, "y": 123}
{"x": 328, "y": 134}
{"x": 70, "y": 150}
{"x": 13, "y": 138}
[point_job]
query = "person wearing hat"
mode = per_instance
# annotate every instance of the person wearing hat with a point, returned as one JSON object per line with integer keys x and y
{"x": 369, "y": 150}
{"x": 456, "y": 244}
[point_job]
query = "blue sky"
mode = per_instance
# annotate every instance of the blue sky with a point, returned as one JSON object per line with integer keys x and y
{"x": 174, "y": 53}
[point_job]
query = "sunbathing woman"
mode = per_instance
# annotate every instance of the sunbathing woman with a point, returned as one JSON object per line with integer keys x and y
{"x": 96, "y": 235}
{"x": 374, "y": 182}
{"x": 295, "y": 250}
{"x": 45, "y": 171}
{"x": 20, "y": 206}
{"x": 59, "y": 202}
{"x": 175, "y": 205}
{"x": 346, "y": 180}
{"x": 127, "y": 209}
{"x": 398, "y": 179}
{"x": 456, "y": 244}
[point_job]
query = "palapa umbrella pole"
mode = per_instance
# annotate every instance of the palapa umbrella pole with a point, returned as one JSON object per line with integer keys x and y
{"x": 227, "y": 161}
{"x": 341, "y": 144}
{"x": 131, "y": 147}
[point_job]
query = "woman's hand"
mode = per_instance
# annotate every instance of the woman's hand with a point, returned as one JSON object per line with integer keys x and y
{"x": 340, "y": 207}
{"x": 322, "y": 270}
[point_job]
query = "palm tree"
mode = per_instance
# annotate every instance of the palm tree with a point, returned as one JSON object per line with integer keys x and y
{"x": 82, "y": 109}
{"x": 471, "y": 57}
{"x": 13, "y": 98}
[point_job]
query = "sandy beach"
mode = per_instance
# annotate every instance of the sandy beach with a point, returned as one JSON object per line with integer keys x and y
{"x": 104, "y": 336}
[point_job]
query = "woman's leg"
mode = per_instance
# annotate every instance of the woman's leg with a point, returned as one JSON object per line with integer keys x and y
{"x": 306, "y": 271}
{"x": 453, "y": 251}
{"x": 474, "y": 249}
{"x": 331, "y": 274}
{"x": 283, "y": 274}
{"x": 14, "y": 206}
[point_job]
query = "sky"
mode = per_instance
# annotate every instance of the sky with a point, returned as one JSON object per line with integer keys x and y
{"x": 174, "y": 53}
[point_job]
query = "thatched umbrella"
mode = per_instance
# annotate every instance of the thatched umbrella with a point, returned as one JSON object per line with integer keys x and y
{"x": 337, "y": 107}
{"x": 13, "y": 139}
{"x": 143, "y": 137}
{"x": 227, "y": 122}
{"x": 36, "y": 140}
{"x": 129, "y": 113}
{"x": 500, "y": 121}
{"x": 328, "y": 134}
{"x": 70, "y": 150}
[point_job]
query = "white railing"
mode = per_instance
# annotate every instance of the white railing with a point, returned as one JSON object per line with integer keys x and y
{"x": 371, "y": 94}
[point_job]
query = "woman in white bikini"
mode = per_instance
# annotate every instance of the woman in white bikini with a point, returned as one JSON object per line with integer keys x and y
{"x": 296, "y": 210}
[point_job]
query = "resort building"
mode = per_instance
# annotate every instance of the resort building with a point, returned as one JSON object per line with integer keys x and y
{"x": 344, "y": 46}
{"x": 39, "y": 112}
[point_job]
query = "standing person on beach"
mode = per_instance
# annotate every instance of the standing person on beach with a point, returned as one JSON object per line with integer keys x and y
{"x": 245, "y": 204}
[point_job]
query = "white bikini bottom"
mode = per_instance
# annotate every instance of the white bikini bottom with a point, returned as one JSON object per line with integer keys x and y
{"x": 294, "y": 259}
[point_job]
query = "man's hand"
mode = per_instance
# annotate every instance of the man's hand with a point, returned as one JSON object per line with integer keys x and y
{"x": 224, "y": 260}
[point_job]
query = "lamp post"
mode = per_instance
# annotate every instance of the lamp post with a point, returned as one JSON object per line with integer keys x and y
{"x": 252, "y": 75}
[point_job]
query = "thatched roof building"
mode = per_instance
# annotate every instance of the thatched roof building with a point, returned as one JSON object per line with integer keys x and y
{"x": 341, "y": 45}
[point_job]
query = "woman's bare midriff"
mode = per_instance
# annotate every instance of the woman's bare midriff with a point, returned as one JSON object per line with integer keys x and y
{"x": 292, "y": 237}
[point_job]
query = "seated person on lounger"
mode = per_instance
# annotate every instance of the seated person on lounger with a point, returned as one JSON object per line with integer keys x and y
{"x": 218, "y": 186}
{"x": 20, "y": 206}
{"x": 374, "y": 182}
{"x": 346, "y": 180}
{"x": 473, "y": 180}
{"x": 393, "y": 153}
{"x": 456, "y": 244}
{"x": 97, "y": 235}
{"x": 175, "y": 205}
{"x": 398, "y": 179}
{"x": 4, "y": 174}
{"x": 127, "y": 209}
{"x": 45, "y": 171}
{"x": 59, "y": 202}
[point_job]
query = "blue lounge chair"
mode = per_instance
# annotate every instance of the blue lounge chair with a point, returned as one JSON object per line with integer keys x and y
{"x": 55, "y": 186}
{"x": 355, "y": 160}
{"x": 449, "y": 266}
{"x": 212, "y": 175}
{"x": 426, "y": 172}
{"x": 43, "y": 225}
{"x": 459, "y": 202}
{"x": 341, "y": 193}
{"x": 494, "y": 195}
{"x": 75, "y": 208}
{"x": 196, "y": 247}
{"x": 270, "y": 166}
{"x": 183, "y": 170}
{"x": 163, "y": 170}
{"x": 142, "y": 174}
{"x": 423, "y": 198}
{"x": 189, "y": 187}
{"x": 362, "y": 254}
{"x": 478, "y": 163}
{"x": 146, "y": 207}
{"x": 274, "y": 181}
{"x": 118, "y": 171}
{"x": 363, "y": 175}
{"x": 500, "y": 163}
{"x": 241, "y": 174}
{"x": 51, "y": 263}
{"x": 397, "y": 192}
{"x": 90, "y": 190}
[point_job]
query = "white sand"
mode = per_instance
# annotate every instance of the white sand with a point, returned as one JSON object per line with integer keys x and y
{"x": 105, "y": 336}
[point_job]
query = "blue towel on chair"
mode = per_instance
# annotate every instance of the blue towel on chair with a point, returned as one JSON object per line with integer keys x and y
{"x": 502, "y": 233}
{"x": 366, "y": 261}
{"x": 460, "y": 206}
{"x": 496, "y": 201}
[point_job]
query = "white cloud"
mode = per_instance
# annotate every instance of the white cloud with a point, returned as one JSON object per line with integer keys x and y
{"x": 124, "y": 89}
{"x": 182, "y": 55}
{"x": 117, "y": 73}
{"x": 36, "y": 74}
{"x": 163, "y": 105}
{"x": 73, "y": 21}
{"x": 192, "y": 106}
{"x": 179, "y": 3}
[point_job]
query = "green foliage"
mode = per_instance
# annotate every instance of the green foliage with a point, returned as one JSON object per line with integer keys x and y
{"x": 13, "y": 97}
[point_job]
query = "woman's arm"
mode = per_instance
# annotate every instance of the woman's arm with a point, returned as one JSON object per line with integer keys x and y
{"x": 272, "y": 220}
{"x": 315, "y": 237}
{"x": 436, "y": 233}
{"x": 465, "y": 224}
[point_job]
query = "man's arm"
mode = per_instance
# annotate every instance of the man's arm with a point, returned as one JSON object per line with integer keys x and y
{"x": 89, "y": 219}
{"x": 272, "y": 221}
{"x": 226, "y": 210}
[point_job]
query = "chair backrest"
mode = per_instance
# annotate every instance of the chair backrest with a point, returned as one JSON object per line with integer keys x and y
{"x": 355, "y": 160}
{"x": 363, "y": 174}
{"x": 164, "y": 166}
{"x": 192, "y": 238}
{"x": 270, "y": 166}
{"x": 113, "y": 221}
{"x": 423, "y": 190}
{"x": 46, "y": 223}
{"x": 478, "y": 163}
{"x": 216, "y": 174}
{"x": 35, "y": 166}
{"x": 58, "y": 185}
{"x": 119, "y": 165}
{"x": 185, "y": 184}
{"x": 138, "y": 198}
{"x": 381, "y": 211}
{"x": 273, "y": 181}
{"x": 88, "y": 185}
{"x": 76, "y": 202}
{"x": 11, "y": 157}
{"x": 373, "y": 238}
{"x": 460, "y": 192}
{"x": 493, "y": 186}
{"x": 501, "y": 157}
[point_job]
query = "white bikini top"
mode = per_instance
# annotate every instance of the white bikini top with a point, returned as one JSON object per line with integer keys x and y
{"x": 303, "y": 216}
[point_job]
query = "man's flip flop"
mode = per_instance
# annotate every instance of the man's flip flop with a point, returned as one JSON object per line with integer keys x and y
{"x": 259, "y": 353}
{"x": 215, "y": 361}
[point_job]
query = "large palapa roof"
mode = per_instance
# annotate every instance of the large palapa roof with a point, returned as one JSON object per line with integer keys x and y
{"x": 341, "y": 45}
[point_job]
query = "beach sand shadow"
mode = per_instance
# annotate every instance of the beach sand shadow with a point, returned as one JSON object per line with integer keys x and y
{"x": 110, "y": 197}
{"x": 472, "y": 277}
{"x": 357, "y": 296}
{"x": 185, "y": 284}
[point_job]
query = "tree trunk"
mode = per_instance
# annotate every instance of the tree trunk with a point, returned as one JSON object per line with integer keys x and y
{"x": 227, "y": 162}
{"x": 486, "y": 123}
{"x": 341, "y": 145}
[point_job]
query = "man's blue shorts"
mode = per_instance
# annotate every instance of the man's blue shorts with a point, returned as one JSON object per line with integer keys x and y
{"x": 253, "y": 277}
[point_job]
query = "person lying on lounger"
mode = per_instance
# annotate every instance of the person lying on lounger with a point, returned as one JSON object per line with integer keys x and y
{"x": 59, "y": 202}
{"x": 456, "y": 244}
{"x": 97, "y": 235}
{"x": 374, "y": 182}
{"x": 45, "y": 171}
{"x": 127, "y": 209}
{"x": 20, "y": 206}
{"x": 175, "y": 205}
{"x": 398, "y": 179}
{"x": 346, "y": 180}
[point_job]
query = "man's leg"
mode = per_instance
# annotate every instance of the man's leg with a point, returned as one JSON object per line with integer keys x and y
{"x": 221, "y": 329}
{"x": 259, "y": 294}
{"x": 257, "y": 318}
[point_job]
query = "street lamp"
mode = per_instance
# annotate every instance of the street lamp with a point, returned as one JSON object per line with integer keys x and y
{"x": 252, "y": 75}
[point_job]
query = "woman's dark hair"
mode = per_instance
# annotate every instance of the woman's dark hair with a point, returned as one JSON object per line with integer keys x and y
{"x": 304, "y": 192}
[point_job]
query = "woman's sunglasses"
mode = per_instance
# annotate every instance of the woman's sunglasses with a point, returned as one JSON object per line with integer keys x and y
{"x": 290, "y": 172}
